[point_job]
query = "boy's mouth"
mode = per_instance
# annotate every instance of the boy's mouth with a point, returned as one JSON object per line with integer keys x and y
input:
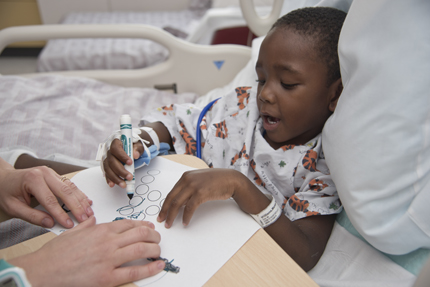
{"x": 270, "y": 122}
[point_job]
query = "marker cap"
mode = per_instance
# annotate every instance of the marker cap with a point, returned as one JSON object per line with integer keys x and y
{"x": 125, "y": 120}
{"x": 130, "y": 188}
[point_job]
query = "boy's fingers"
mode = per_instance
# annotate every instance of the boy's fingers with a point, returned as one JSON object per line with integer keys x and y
{"x": 167, "y": 201}
{"x": 111, "y": 176}
{"x": 172, "y": 205}
{"x": 115, "y": 170}
{"x": 117, "y": 150}
{"x": 189, "y": 210}
{"x": 137, "y": 150}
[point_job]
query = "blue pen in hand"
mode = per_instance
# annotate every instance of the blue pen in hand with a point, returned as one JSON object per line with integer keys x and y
{"x": 127, "y": 143}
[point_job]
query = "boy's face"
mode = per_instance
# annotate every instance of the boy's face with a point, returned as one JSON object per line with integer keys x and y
{"x": 293, "y": 97}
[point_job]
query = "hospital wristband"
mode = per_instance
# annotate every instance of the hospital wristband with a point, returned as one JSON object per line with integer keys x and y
{"x": 153, "y": 135}
{"x": 269, "y": 215}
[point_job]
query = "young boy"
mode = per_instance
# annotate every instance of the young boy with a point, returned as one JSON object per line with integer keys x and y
{"x": 264, "y": 142}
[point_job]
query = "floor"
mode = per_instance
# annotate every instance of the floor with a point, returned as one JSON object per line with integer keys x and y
{"x": 17, "y": 65}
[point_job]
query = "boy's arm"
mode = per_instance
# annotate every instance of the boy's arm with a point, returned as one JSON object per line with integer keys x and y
{"x": 303, "y": 239}
{"x": 162, "y": 133}
{"x": 113, "y": 166}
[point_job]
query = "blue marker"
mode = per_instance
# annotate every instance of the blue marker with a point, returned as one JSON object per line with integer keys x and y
{"x": 127, "y": 143}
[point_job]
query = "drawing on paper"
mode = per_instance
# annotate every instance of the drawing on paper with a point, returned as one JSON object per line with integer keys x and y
{"x": 143, "y": 193}
{"x": 138, "y": 211}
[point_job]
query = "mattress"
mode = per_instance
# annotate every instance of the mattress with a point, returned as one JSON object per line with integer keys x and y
{"x": 70, "y": 115}
{"x": 120, "y": 53}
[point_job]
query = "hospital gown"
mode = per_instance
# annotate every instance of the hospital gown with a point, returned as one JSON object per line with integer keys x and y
{"x": 232, "y": 137}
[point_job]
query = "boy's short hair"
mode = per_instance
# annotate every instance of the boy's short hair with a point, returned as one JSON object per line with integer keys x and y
{"x": 322, "y": 25}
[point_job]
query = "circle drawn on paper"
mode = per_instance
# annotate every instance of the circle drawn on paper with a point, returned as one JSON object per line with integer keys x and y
{"x": 153, "y": 172}
{"x": 126, "y": 210}
{"x": 152, "y": 210}
{"x": 142, "y": 189}
{"x": 147, "y": 179}
{"x": 129, "y": 209}
{"x": 154, "y": 195}
{"x": 136, "y": 201}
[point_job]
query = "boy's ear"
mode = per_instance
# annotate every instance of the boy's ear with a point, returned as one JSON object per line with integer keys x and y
{"x": 335, "y": 90}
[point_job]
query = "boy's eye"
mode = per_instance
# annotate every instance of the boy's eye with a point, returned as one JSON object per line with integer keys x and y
{"x": 260, "y": 82}
{"x": 288, "y": 86}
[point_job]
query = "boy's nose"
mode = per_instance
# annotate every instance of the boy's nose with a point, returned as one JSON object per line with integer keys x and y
{"x": 266, "y": 94}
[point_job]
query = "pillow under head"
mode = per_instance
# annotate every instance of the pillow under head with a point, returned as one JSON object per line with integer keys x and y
{"x": 377, "y": 142}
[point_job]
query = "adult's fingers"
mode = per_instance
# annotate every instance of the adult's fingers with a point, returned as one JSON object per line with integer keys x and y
{"x": 91, "y": 221}
{"x": 34, "y": 216}
{"x": 133, "y": 273}
{"x": 138, "y": 234}
{"x": 123, "y": 225}
{"x": 35, "y": 184}
{"x": 139, "y": 250}
{"x": 73, "y": 198}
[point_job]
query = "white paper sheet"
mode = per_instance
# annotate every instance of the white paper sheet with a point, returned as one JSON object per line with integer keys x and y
{"x": 216, "y": 232}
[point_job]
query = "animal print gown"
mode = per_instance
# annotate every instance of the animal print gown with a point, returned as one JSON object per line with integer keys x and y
{"x": 232, "y": 137}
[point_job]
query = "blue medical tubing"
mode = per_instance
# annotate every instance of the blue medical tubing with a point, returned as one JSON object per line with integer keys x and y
{"x": 199, "y": 132}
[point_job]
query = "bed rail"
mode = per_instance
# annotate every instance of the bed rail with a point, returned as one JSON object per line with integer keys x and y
{"x": 192, "y": 67}
{"x": 257, "y": 24}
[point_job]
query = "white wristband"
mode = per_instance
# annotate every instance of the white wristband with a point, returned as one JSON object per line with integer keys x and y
{"x": 153, "y": 135}
{"x": 269, "y": 215}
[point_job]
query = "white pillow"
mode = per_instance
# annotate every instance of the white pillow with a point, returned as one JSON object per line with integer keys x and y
{"x": 377, "y": 143}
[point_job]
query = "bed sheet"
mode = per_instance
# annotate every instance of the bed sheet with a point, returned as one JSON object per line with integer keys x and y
{"x": 70, "y": 115}
{"x": 92, "y": 54}
{"x": 349, "y": 261}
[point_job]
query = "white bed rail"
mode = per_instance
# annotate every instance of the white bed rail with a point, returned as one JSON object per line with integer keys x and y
{"x": 257, "y": 24}
{"x": 192, "y": 67}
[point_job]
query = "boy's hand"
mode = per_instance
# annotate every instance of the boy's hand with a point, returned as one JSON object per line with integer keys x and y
{"x": 113, "y": 164}
{"x": 196, "y": 187}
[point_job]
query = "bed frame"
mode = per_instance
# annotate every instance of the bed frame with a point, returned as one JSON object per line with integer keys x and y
{"x": 257, "y": 24}
{"x": 190, "y": 67}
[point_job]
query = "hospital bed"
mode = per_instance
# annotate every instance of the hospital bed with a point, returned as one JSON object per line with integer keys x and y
{"x": 72, "y": 115}
{"x": 200, "y": 73}
{"x": 197, "y": 23}
{"x": 179, "y": 17}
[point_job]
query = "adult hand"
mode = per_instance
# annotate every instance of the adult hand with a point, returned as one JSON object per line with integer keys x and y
{"x": 196, "y": 187}
{"x": 92, "y": 255}
{"x": 18, "y": 186}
